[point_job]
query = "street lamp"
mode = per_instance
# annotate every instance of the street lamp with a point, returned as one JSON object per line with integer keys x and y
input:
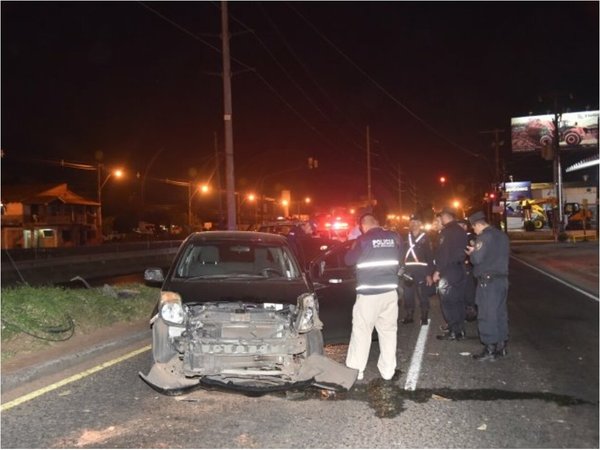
{"x": 117, "y": 173}
{"x": 248, "y": 197}
{"x": 203, "y": 188}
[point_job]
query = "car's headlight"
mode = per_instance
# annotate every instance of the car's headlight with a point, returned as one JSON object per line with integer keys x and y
{"x": 307, "y": 312}
{"x": 171, "y": 309}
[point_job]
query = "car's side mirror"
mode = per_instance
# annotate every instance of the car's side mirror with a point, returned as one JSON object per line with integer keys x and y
{"x": 154, "y": 277}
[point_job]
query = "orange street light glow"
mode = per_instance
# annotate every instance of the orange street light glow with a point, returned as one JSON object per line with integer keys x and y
{"x": 204, "y": 188}
{"x": 118, "y": 173}
{"x": 284, "y": 202}
{"x": 307, "y": 200}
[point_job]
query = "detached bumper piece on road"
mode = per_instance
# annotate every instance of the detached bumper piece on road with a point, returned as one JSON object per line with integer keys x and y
{"x": 317, "y": 370}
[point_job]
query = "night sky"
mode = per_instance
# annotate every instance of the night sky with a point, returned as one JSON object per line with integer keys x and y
{"x": 427, "y": 77}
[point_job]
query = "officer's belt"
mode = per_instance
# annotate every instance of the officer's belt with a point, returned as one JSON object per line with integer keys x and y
{"x": 491, "y": 276}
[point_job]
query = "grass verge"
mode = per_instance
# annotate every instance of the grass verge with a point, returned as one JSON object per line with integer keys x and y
{"x": 35, "y": 317}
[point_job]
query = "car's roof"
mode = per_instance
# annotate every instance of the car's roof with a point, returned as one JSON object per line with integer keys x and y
{"x": 280, "y": 222}
{"x": 251, "y": 236}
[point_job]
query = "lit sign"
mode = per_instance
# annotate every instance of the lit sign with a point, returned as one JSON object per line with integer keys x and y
{"x": 578, "y": 130}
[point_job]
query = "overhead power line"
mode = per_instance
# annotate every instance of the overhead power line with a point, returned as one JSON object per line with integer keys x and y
{"x": 379, "y": 86}
{"x": 246, "y": 66}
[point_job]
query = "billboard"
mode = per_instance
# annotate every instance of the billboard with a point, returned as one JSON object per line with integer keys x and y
{"x": 516, "y": 190}
{"x": 577, "y": 130}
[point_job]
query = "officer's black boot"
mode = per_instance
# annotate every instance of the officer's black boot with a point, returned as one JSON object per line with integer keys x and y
{"x": 488, "y": 353}
{"x": 408, "y": 318}
{"x": 424, "y": 318}
{"x": 501, "y": 349}
{"x": 449, "y": 336}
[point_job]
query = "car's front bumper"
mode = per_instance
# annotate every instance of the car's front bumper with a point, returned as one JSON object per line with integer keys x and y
{"x": 316, "y": 370}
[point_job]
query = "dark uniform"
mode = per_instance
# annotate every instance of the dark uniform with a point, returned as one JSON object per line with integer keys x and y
{"x": 470, "y": 281}
{"x": 418, "y": 262}
{"x": 490, "y": 267}
{"x": 449, "y": 262}
{"x": 305, "y": 246}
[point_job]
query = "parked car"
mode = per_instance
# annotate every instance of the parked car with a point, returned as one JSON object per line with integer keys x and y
{"x": 237, "y": 312}
{"x": 309, "y": 247}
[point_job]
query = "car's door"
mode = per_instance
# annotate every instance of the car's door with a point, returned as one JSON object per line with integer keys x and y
{"x": 335, "y": 285}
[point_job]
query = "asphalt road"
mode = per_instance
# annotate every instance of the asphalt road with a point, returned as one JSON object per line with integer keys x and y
{"x": 544, "y": 394}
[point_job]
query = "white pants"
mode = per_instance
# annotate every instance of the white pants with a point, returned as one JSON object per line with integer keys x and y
{"x": 379, "y": 311}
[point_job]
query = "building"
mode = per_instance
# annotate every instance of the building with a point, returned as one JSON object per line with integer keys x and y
{"x": 47, "y": 216}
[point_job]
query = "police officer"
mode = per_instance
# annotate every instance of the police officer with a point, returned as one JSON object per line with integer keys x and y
{"x": 376, "y": 254}
{"x": 450, "y": 275}
{"x": 418, "y": 261}
{"x": 299, "y": 239}
{"x": 489, "y": 256}
{"x": 470, "y": 282}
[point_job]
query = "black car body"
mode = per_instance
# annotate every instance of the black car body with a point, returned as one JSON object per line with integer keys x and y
{"x": 237, "y": 311}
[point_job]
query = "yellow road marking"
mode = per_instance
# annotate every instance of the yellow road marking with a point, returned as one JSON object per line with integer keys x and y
{"x": 79, "y": 376}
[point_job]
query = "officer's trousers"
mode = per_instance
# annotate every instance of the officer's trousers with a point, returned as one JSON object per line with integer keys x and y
{"x": 418, "y": 290}
{"x": 470, "y": 286}
{"x": 492, "y": 313}
{"x": 379, "y": 311}
{"x": 453, "y": 305}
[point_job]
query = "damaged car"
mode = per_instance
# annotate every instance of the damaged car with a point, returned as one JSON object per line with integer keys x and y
{"x": 237, "y": 312}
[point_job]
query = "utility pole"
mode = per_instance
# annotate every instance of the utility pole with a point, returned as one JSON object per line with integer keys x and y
{"x": 218, "y": 176}
{"x": 369, "y": 194}
{"x": 496, "y": 132}
{"x": 557, "y": 167}
{"x": 399, "y": 190}
{"x": 558, "y": 190}
{"x": 99, "y": 185}
{"x": 227, "y": 117}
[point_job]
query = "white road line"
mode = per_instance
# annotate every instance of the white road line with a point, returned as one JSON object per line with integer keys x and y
{"x": 417, "y": 359}
{"x": 581, "y": 291}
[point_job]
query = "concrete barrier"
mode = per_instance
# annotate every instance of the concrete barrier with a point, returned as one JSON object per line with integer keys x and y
{"x": 63, "y": 269}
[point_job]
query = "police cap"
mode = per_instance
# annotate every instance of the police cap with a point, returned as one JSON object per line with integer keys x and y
{"x": 477, "y": 217}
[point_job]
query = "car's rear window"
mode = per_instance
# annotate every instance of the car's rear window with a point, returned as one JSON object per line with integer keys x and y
{"x": 236, "y": 259}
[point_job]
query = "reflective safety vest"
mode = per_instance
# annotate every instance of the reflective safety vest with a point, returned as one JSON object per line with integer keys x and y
{"x": 411, "y": 258}
{"x": 377, "y": 255}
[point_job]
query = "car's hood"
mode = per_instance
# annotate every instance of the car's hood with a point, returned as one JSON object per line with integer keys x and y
{"x": 256, "y": 291}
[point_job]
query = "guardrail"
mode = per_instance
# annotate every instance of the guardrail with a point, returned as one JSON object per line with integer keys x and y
{"x": 25, "y": 254}
{"x": 52, "y": 266}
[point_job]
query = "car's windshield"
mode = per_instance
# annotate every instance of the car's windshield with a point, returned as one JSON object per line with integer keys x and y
{"x": 231, "y": 259}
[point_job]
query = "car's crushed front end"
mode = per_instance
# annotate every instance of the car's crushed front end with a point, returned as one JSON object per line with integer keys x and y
{"x": 242, "y": 342}
{"x": 250, "y": 347}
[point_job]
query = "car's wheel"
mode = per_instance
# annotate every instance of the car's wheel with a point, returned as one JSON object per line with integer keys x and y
{"x": 314, "y": 343}
{"x": 572, "y": 138}
{"x": 161, "y": 349}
